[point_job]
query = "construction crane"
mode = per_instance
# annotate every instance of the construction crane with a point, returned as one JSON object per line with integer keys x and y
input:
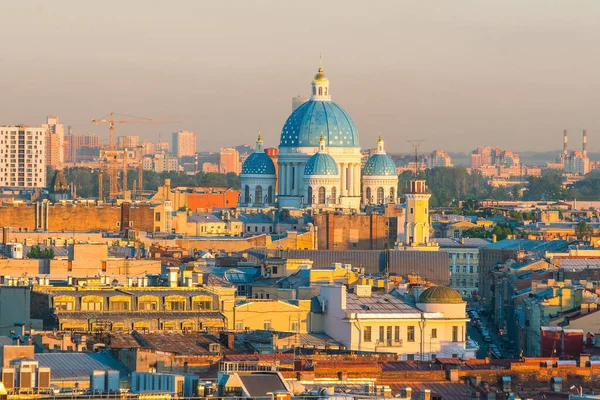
{"x": 113, "y": 153}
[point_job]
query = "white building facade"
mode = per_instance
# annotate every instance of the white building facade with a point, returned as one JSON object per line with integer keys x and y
{"x": 363, "y": 321}
{"x": 22, "y": 157}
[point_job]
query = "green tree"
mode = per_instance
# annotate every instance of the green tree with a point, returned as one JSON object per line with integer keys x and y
{"x": 583, "y": 231}
{"x": 38, "y": 253}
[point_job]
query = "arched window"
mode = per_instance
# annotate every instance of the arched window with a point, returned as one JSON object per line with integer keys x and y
{"x": 321, "y": 195}
{"x": 325, "y": 91}
{"x": 333, "y": 195}
{"x": 270, "y": 195}
{"x": 380, "y": 195}
{"x": 369, "y": 195}
{"x": 258, "y": 194}
{"x": 392, "y": 195}
{"x": 314, "y": 90}
{"x": 309, "y": 200}
{"x": 247, "y": 194}
{"x": 320, "y": 91}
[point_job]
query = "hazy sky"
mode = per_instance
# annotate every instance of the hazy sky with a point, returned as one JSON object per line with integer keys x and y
{"x": 455, "y": 73}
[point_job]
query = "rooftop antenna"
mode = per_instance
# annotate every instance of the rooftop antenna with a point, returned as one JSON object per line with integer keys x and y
{"x": 415, "y": 144}
{"x": 320, "y": 60}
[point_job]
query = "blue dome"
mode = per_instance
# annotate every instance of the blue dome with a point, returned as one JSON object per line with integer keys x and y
{"x": 258, "y": 163}
{"x": 321, "y": 164}
{"x": 306, "y": 124}
{"x": 380, "y": 165}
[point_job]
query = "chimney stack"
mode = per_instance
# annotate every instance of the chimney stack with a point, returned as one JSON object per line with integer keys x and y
{"x": 584, "y": 143}
{"x": 565, "y": 151}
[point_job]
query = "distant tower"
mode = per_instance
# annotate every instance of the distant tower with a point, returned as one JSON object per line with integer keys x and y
{"x": 416, "y": 226}
{"x": 565, "y": 151}
{"x": 584, "y": 143}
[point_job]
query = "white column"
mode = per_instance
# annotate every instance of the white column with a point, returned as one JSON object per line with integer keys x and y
{"x": 343, "y": 179}
{"x": 289, "y": 179}
{"x": 299, "y": 177}
{"x": 281, "y": 182}
{"x": 357, "y": 179}
{"x": 351, "y": 180}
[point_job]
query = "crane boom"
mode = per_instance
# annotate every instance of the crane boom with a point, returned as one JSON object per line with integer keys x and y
{"x": 112, "y": 154}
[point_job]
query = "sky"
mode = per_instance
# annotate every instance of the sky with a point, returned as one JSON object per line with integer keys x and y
{"x": 457, "y": 74}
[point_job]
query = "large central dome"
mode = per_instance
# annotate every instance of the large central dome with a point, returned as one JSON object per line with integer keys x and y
{"x": 315, "y": 118}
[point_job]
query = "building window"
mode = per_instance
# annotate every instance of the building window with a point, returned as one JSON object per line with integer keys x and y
{"x": 368, "y": 195}
{"x": 239, "y": 325}
{"x": 157, "y": 217}
{"x": 246, "y": 194}
{"x": 389, "y": 334}
{"x": 321, "y": 195}
{"x": 258, "y": 195}
{"x": 320, "y": 91}
{"x": 295, "y": 326}
{"x": 471, "y": 269}
{"x": 310, "y": 195}
{"x": 392, "y": 195}
{"x": 380, "y": 195}
{"x": 274, "y": 269}
{"x": 332, "y": 200}
{"x": 175, "y": 305}
{"x": 455, "y": 333}
{"x": 412, "y": 210}
{"x": 119, "y": 306}
{"x": 147, "y": 306}
{"x": 410, "y": 357}
{"x": 267, "y": 325}
{"x": 396, "y": 334}
{"x": 434, "y": 333}
{"x": 410, "y": 334}
{"x": 202, "y": 305}
{"x": 381, "y": 334}
{"x": 367, "y": 334}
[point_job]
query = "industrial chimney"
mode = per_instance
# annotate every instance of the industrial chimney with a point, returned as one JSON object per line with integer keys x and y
{"x": 584, "y": 143}
{"x": 565, "y": 151}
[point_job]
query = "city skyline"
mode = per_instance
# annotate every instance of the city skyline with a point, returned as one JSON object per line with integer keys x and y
{"x": 209, "y": 62}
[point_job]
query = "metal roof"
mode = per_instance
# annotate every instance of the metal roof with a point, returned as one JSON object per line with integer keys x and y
{"x": 79, "y": 366}
{"x": 378, "y": 304}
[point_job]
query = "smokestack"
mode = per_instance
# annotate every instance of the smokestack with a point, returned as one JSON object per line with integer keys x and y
{"x": 565, "y": 151}
{"x": 584, "y": 143}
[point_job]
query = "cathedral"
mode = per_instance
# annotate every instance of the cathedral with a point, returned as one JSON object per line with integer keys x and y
{"x": 319, "y": 161}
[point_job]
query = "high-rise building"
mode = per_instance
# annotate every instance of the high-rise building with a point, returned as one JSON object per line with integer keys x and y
{"x": 161, "y": 146}
{"x": 148, "y": 147}
{"x": 184, "y": 143}
{"x": 55, "y": 137}
{"x": 23, "y": 156}
{"x": 76, "y": 142}
{"x": 229, "y": 161}
{"x": 129, "y": 141}
{"x": 439, "y": 158}
{"x": 160, "y": 162}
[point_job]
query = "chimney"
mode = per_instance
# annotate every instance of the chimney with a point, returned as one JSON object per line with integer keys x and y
{"x": 408, "y": 393}
{"x": 565, "y": 151}
{"x": 584, "y": 143}
{"x": 426, "y": 394}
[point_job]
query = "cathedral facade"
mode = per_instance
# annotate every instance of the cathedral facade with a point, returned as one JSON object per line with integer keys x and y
{"x": 319, "y": 161}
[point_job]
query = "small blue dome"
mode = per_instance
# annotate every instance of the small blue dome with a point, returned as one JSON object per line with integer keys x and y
{"x": 258, "y": 163}
{"x": 306, "y": 124}
{"x": 380, "y": 165}
{"x": 321, "y": 164}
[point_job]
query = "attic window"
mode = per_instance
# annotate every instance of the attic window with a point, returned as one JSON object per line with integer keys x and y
{"x": 365, "y": 307}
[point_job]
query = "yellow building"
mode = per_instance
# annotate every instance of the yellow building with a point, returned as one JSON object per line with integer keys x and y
{"x": 264, "y": 314}
{"x": 416, "y": 226}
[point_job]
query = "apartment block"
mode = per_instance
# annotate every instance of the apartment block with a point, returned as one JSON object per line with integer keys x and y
{"x": 22, "y": 156}
{"x": 184, "y": 143}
